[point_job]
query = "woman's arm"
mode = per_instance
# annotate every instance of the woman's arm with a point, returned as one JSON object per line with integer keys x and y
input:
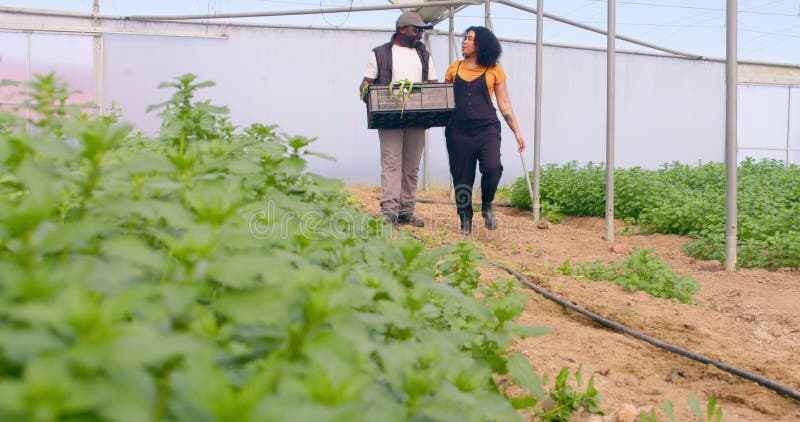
{"x": 504, "y": 104}
{"x": 449, "y": 74}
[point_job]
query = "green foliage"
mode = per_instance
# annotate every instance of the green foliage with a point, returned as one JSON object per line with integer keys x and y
{"x": 566, "y": 400}
{"x": 404, "y": 90}
{"x": 568, "y": 189}
{"x": 459, "y": 268}
{"x": 547, "y": 210}
{"x": 640, "y": 271}
{"x": 565, "y": 268}
{"x": 205, "y": 275}
{"x": 560, "y": 401}
{"x": 50, "y": 106}
{"x": 713, "y": 411}
{"x": 688, "y": 200}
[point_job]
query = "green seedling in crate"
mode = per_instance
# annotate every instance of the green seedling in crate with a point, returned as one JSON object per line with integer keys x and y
{"x": 404, "y": 90}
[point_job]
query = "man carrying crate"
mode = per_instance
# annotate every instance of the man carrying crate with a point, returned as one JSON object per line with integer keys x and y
{"x": 404, "y": 57}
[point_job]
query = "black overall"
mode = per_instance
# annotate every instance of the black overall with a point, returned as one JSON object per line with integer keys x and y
{"x": 473, "y": 135}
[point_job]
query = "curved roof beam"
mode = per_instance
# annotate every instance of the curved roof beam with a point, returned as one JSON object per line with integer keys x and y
{"x": 411, "y": 6}
{"x": 438, "y": 11}
{"x": 431, "y": 14}
{"x": 598, "y": 30}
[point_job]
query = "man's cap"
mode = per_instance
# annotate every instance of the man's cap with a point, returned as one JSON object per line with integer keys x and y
{"x": 412, "y": 19}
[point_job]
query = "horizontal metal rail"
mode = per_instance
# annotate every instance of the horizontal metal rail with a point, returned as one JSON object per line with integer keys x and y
{"x": 309, "y": 11}
{"x": 97, "y": 31}
{"x": 770, "y": 148}
{"x": 57, "y": 13}
{"x": 597, "y": 30}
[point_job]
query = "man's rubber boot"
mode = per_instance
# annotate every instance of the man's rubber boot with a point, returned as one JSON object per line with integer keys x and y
{"x": 466, "y": 225}
{"x": 488, "y": 216}
{"x": 390, "y": 219}
{"x": 410, "y": 219}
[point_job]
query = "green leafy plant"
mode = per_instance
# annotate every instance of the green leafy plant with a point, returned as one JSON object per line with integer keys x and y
{"x": 404, "y": 89}
{"x": 713, "y": 411}
{"x": 203, "y": 274}
{"x": 566, "y": 400}
{"x": 687, "y": 200}
{"x": 642, "y": 270}
{"x": 565, "y": 268}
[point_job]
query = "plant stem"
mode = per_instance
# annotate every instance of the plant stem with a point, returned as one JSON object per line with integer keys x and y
{"x": 161, "y": 403}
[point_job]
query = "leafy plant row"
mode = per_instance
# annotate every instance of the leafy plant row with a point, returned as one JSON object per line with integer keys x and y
{"x": 203, "y": 275}
{"x": 641, "y": 271}
{"x": 688, "y": 200}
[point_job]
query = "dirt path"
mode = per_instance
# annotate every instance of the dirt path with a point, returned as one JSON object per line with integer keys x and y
{"x": 749, "y": 319}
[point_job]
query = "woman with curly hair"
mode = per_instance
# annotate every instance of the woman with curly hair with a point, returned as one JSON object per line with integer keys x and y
{"x": 473, "y": 135}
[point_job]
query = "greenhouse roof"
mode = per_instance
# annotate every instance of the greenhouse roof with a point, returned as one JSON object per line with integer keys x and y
{"x": 768, "y": 30}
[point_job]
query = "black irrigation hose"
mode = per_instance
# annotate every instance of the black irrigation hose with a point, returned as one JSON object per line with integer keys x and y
{"x": 433, "y": 201}
{"x": 772, "y": 385}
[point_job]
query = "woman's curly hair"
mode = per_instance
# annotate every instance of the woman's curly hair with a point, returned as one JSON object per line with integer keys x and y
{"x": 486, "y": 45}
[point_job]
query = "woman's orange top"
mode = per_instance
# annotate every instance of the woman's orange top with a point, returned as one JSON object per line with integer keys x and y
{"x": 494, "y": 75}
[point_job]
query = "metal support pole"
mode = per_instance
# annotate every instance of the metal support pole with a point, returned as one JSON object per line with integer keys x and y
{"x": 537, "y": 117}
{"x": 731, "y": 194}
{"x": 28, "y": 82}
{"x": 451, "y": 38}
{"x": 426, "y": 177}
{"x": 788, "y": 123}
{"x": 610, "y": 105}
{"x": 488, "y": 15}
{"x": 98, "y": 73}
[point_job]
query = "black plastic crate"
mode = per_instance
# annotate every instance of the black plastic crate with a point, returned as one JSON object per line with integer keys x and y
{"x": 428, "y": 105}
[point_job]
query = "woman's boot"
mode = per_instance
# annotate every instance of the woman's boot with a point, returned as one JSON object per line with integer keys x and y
{"x": 488, "y": 216}
{"x": 466, "y": 225}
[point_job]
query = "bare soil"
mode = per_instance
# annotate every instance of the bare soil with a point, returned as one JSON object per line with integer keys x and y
{"x": 748, "y": 319}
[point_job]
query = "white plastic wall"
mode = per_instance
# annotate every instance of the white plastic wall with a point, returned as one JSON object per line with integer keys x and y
{"x": 13, "y": 66}
{"x": 70, "y": 56}
{"x": 764, "y": 121}
{"x": 306, "y": 81}
{"x": 794, "y": 125}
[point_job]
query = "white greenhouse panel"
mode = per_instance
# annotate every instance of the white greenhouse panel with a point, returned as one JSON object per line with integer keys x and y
{"x": 763, "y": 116}
{"x": 133, "y": 86}
{"x": 761, "y": 154}
{"x": 668, "y": 109}
{"x": 70, "y": 57}
{"x": 13, "y": 65}
{"x": 794, "y": 118}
